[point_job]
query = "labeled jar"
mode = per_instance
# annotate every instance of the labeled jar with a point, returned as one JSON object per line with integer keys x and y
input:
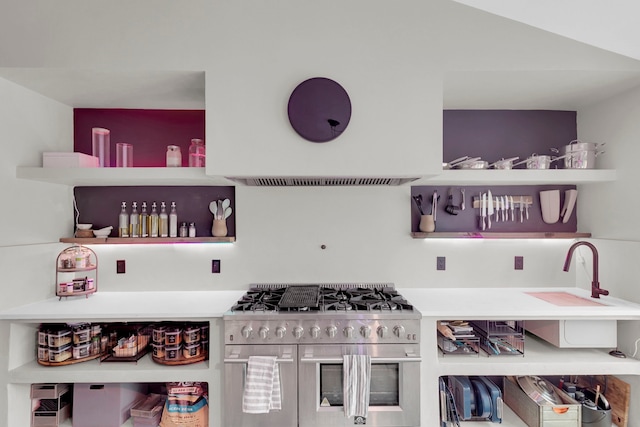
{"x": 174, "y": 156}
{"x": 196, "y": 153}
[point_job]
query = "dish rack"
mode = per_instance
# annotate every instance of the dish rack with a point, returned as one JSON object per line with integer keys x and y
{"x": 456, "y": 337}
{"x": 126, "y": 342}
{"x": 500, "y": 337}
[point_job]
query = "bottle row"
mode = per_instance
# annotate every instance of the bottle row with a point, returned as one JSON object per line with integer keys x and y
{"x": 153, "y": 224}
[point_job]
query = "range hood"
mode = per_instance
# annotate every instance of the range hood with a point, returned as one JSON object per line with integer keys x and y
{"x": 319, "y": 181}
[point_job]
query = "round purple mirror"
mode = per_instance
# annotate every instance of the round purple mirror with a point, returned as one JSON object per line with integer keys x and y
{"x": 319, "y": 109}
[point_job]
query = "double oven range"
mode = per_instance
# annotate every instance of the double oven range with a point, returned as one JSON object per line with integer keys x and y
{"x": 309, "y": 328}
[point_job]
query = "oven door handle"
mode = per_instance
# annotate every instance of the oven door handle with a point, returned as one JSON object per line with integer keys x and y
{"x": 234, "y": 360}
{"x": 373, "y": 359}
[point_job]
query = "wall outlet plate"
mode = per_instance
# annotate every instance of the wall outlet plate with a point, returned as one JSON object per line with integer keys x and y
{"x": 215, "y": 266}
{"x": 441, "y": 263}
{"x": 518, "y": 263}
{"x": 121, "y": 266}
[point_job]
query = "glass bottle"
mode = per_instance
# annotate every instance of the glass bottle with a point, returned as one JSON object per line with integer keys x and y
{"x": 174, "y": 156}
{"x": 163, "y": 221}
{"x": 134, "y": 221}
{"x": 153, "y": 221}
{"x": 192, "y": 230}
{"x": 184, "y": 231}
{"x": 173, "y": 221}
{"x": 196, "y": 153}
{"x": 123, "y": 221}
{"x": 144, "y": 221}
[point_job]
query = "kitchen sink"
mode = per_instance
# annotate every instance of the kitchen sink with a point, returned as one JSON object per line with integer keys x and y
{"x": 565, "y": 299}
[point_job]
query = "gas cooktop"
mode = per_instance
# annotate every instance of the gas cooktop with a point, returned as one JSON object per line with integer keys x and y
{"x": 322, "y": 298}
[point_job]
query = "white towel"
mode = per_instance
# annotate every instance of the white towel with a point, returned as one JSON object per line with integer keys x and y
{"x": 262, "y": 386}
{"x": 356, "y": 381}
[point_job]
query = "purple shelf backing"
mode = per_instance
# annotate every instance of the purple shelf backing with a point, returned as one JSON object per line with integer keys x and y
{"x": 100, "y": 206}
{"x": 468, "y": 221}
{"x": 497, "y": 134}
{"x": 149, "y": 131}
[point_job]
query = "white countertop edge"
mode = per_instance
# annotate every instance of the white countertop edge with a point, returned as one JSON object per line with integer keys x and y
{"x": 434, "y": 303}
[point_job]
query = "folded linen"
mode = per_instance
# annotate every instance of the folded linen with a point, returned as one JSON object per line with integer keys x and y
{"x": 262, "y": 386}
{"x": 356, "y": 384}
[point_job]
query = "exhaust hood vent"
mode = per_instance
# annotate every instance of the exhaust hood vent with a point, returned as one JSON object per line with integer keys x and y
{"x": 319, "y": 181}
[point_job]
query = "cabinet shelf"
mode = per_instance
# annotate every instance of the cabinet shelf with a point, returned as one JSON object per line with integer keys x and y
{"x": 120, "y": 176}
{"x": 144, "y": 240}
{"x": 519, "y": 177}
{"x": 497, "y": 235}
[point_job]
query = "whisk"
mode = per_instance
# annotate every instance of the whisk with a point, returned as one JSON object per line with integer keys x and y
{"x": 451, "y": 209}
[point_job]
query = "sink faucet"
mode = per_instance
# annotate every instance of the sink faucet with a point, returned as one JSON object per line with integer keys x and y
{"x": 595, "y": 285}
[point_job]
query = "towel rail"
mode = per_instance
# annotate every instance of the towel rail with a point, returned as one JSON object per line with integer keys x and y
{"x": 373, "y": 359}
{"x": 233, "y": 360}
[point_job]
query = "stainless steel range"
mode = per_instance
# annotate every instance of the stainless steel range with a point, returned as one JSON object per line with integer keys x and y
{"x": 309, "y": 328}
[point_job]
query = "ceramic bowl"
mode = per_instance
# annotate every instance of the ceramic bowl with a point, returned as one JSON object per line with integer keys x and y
{"x": 103, "y": 232}
{"x": 84, "y": 226}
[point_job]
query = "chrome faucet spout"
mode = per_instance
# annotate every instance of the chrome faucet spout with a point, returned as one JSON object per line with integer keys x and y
{"x": 595, "y": 284}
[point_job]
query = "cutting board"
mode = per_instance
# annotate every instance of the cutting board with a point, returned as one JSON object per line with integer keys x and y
{"x": 617, "y": 392}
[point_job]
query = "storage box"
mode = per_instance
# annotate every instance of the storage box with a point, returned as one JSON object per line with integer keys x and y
{"x": 105, "y": 405}
{"x": 68, "y": 160}
{"x": 576, "y": 333}
{"x": 569, "y": 414}
{"x": 53, "y": 404}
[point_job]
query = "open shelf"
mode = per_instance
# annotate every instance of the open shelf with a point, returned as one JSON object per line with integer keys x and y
{"x": 519, "y": 177}
{"x": 144, "y": 240}
{"x": 497, "y": 235}
{"x": 120, "y": 176}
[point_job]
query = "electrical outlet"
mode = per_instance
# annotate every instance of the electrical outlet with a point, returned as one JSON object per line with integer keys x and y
{"x": 121, "y": 266}
{"x": 441, "y": 263}
{"x": 518, "y": 263}
{"x": 215, "y": 266}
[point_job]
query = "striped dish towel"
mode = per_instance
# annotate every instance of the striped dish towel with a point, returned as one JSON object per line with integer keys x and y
{"x": 356, "y": 380}
{"x": 262, "y": 386}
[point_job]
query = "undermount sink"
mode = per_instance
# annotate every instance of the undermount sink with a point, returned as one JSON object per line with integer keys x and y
{"x": 565, "y": 299}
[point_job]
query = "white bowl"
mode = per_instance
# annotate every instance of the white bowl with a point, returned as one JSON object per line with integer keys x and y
{"x": 84, "y": 226}
{"x": 103, "y": 232}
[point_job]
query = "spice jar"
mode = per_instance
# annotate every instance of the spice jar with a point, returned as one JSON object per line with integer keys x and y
{"x": 196, "y": 153}
{"x": 184, "y": 232}
{"x": 174, "y": 156}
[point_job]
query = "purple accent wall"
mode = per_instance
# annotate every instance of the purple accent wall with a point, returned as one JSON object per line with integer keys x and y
{"x": 100, "y": 206}
{"x": 149, "y": 131}
{"x": 467, "y": 220}
{"x": 497, "y": 134}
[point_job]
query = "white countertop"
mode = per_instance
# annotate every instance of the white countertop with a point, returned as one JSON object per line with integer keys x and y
{"x": 512, "y": 303}
{"x": 435, "y": 303}
{"x": 128, "y": 306}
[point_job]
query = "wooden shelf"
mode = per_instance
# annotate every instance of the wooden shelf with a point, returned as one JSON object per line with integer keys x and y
{"x": 494, "y": 235}
{"x": 519, "y": 177}
{"x": 144, "y": 240}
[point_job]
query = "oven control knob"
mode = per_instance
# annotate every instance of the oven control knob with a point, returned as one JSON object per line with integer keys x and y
{"x": 315, "y": 331}
{"x": 332, "y": 331}
{"x": 383, "y": 331}
{"x": 348, "y": 331}
{"x": 297, "y": 332}
{"x": 365, "y": 331}
{"x": 246, "y": 332}
{"x": 263, "y": 332}
{"x": 280, "y": 331}
{"x": 398, "y": 330}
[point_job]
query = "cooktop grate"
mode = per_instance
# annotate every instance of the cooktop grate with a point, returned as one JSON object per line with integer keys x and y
{"x": 300, "y": 296}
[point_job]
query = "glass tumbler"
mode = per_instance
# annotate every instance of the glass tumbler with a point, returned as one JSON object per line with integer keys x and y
{"x": 101, "y": 146}
{"x": 196, "y": 153}
{"x": 124, "y": 155}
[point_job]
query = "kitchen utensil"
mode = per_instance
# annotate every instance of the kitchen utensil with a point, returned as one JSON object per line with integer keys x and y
{"x": 418, "y": 201}
{"x": 462, "y": 205}
{"x": 227, "y": 212}
{"x": 539, "y": 390}
{"x": 475, "y": 163}
{"x": 521, "y": 209}
{"x": 213, "y": 207}
{"x": 451, "y": 209}
{"x": 526, "y": 210}
{"x": 489, "y": 209}
{"x": 84, "y": 226}
{"x": 434, "y": 204}
{"x": 513, "y": 217}
{"x": 483, "y": 211}
{"x": 570, "y": 197}
{"x": 226, "y": 203}
{"x": 103, "y": 232}
{"x": 550, "y": 205}
{"x": 455, "y": 162}
{"x": 504, "y": 163}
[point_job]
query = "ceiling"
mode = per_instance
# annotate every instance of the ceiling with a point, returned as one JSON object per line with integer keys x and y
{"x": 610, "y": 25}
